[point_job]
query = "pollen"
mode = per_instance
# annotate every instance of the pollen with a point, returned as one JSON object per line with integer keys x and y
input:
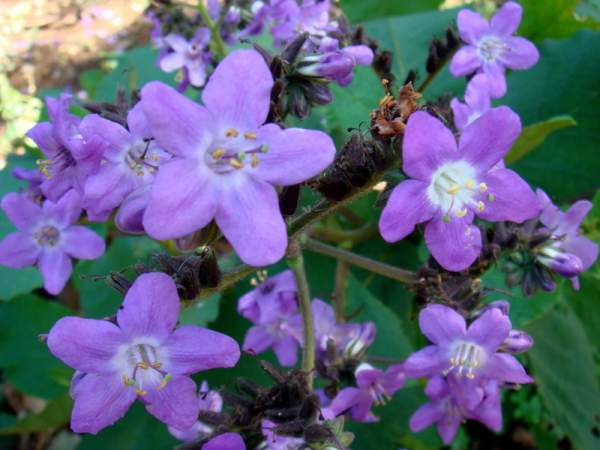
{"x": 483, "y": 187}
{"x": 164, "y": 381}
{"x": 254, "y": 161}
{"x": 128, "y": 381}
{"x": 453, "y": 189}
{"x": 264, "y": 148}
{"x": 470, "y": 184}
{"x": 232, "y": 133}
{"x": 235, "y": 163}
{"x": 250, "y": 135}
{"x": 461, "y": 212}
{"x": 141, "y": 392}
{"x": 491, "y": 197}
{"x": 241, "y": 156}
{"x": 480, "y": 206}
{"x": 43, "y": 166}
{"x": 143, "y": 365}
{"x": 218, "y": 153}
{"x": 446, "y": 218}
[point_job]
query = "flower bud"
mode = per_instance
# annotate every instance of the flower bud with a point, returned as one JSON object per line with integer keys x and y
{"x": 517, "y": 342}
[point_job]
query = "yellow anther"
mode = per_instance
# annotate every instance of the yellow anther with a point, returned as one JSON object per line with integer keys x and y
{"x": 453, "y": 189}
{"x": 470, "y": 184}
{"x": 235, "y": 163}
{"x": 483, "y": 187}
{"x": 164, "y": 382}
{"x": 480, "y": 206}
{"x": 141, "y": 392}
{"x": 43, "y": 166}
{"x": 461, "y": 212}
{"x": 254, "y": 161}
{"x": 154, "y": 157}
{"x": 250, "y": 135}
{"x": 232, "y": 132}
{"x": 143, "y": 365}
{"x": 140, "y": 174}
{"x": 156, "y": 365}
{"x": 253, "y": 282}
{"x": 218, "y": 153}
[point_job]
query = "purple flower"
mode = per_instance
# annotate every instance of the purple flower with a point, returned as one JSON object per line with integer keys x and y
{"x": 292, "y": 19}
{"x": 468, "y": 357}
{"x": 34, "y": 178}
{"x": 336, "y": 64}
{"x": 477, "y": 102}
{"x": 373, "y": 387}
{"x": 208, "y": 401}
{"x": 226, "y": 161}
{"x": 277, "y": 442}
{"x": 447, "y": 413}
{"x": 448, "y": 185}
{"x": 225, "y": 441}
{"x": 491, "y": 48}
{"x": 269, "y": 307}
{"x": 129, "y": 164}
{"x": 142, "y": 356}
{"x": 193, "y": 55}
{"x": 567, "y": 252}
{"x": 260, "y": 15}
{"x": 47, "y": 237}
{"x": 70, "y": 158}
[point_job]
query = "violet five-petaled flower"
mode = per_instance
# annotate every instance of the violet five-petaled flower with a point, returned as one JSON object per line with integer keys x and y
{"x": 491, "y": 48}
{"x": 468, "y": 357}
{"x": 448, "y": 185}
{"x": 47, "y": 236}
{"x": 374, "y": 386}
{"x": 292, "y": 19}
{"x": 226, "y": 161}
{"x": 142, "y": 356}
{"x": 192, "y": 55}
{"x": 566, "y": 252}
{"x": 269, "y": 306}
{"x": 477, "y": 102}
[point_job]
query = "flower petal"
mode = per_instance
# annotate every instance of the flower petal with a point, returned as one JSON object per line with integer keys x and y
{"x": 490, "y": 329}
{"x": 193, "y": 349}
{"x": 427, "y": 145}
{"x": 257, "y": 340}
{"x": 178, "y": 124}
{"x": 471, "y": 26}
{"x": 130, "y": 217}
{"x": 407, "y": 206}
{"x": 507, "y": 19}
{"x": 176, "y": 404}
{"x": 176, "y": 41}
{"x": 485, "y": 142}
{"x": 238, "y": 92}
{"x": 513, "y": 199}
{"x": 521, "y": 54}
{"x": 477, "y": 95}
{"x": 442, "y": 324}
{"x": 585, "y": 249}
{"x": 225, "y": 441}
{"x": 18, "y": 250}
{"x": 571, "y": 220}
{"x": 23, "y": 212}
{"x": 495, "y": 74}
{"x": 66, "y": 210}
{"x": 172, "y": 61}
{"x": 465, "y": 61}
{"x": 183, "y": 199}
{"x": 106, "y": 189}
{"x": 83, "y": 243}
{"x": 249, "y": 217}
{"x": 427, "y": 362}
{"x": 425, "y": 416}
{"x": 56, "y": 267}
{"x": 150, "y": 308}
{"x": 455, "y": 245}
{"x": 100, "y": 400}
{"x": 86, "y": 344}
{"x": 448, "y": 428}
{"x": 286, "y": 350}
{"x": 43, "y": 135}
{"x": 294, "y": 155}
{"x": 137, "y": 122}
{"x": 461, "y": 113}
{"x": 506, "y": 368}
{"x": 111, "y": 132}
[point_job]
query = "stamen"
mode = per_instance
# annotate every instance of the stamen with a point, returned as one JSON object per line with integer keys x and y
{"x": 143, "y": 365}
{"x": 141, "y": 392}
{"x": 264, "y": 148}
{"x": 461, "y": 213}
{"x": 43, "y": 166}
{"x": 254, "y": 161}
{"x": 470, "y": 184}
{"x": 446, "y": 218}
{"x": 232, "y": 133}
{"x": 218, "y": 153}
{"x": 480, "y": 206}
{"x": 483, "y": 187}
{"x": 250, "y": 135}
{"x": 235, "y": 163}
{"x": 164, "y": 381}
{"x": 241, "y": 156}
{"x": 491, "y": 197}
{"x": 453, "y": 189}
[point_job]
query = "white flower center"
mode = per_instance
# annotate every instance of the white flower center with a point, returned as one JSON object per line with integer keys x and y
{"x": 466, "y": 357}
{"x": 141, "y": 365}
{"x": 234, "y": 150}
{"x": 47, "y": 236}
{"x": 491, "y": 48}
{"x": 143, "y": 157}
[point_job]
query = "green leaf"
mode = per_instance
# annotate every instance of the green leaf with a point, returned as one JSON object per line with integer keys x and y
{"x": 359, "y": 11}
{"x": 55, "y": 415}
{"x": 585, "y": 302}
{"x": 563, "y": 367}
{"x": 534, "y": 135}
{"x": 201, "y": 313}
{"x": 26, "y": 362}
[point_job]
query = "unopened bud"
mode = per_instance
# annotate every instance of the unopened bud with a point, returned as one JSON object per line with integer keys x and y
{"x": 517, "y": 342}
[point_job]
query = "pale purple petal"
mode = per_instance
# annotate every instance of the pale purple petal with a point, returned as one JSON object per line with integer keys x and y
{"x": 111, "y": 132}
{"x": 258, "y": 339}
{"x": 495, "y": 74}
{"x": 193, "y": 349}
{"x": 344, "y": 400}
{"x": 294, "y": 155}
{"x": 86, "y": 344}
{"x": 468, "y": 393}
{"x": 238, "y": 93}
{"x": 507, "y": 19}
{"x": 427, "y": 145}
{"x": 427, "y": 362}
{"x": 137, "y": 122}
{"x": 461, "y": 113}
{"x": 490, "y": 411}
{"x": 43, "y": 135}
{"x": 455, "y": 245}
{"x": 100, "y": 401}
{"x": 407, "y": 206}
{"x": 465, "y": 61}
{"x": 441, "y": 324}
{"x": 490, "y": 329}
{"x": 512, "y": 197}
{"x": 425, "y": 416}
{"x": 471, "y": 26}
{"x": 150, "y": 308}
{"x": 130, "y": 216}
{"x": 82, "y": 243}
{"x": 572, "y": 218}
{"x": 183, "y": 199}
{"x": 172, "y": 61}
{"x": 18, "y": 250}
{"x": 176, "y": 41}
{"x": 286, "y": 350}
{"x": 23, "y": 212}
{"x": 66, "y": 210}
{"x": 176, "y": 404}
{"x": 506, "y": 368}
{"x": 178, "y": 124}
{"x": 585, "y": 249}
{"x": 106, "y": 189}
{"x": 249, "y": 217}
{"x": 477, "y": 95}
{"x": 225, "y": 441}
{"x": 362, "y": 54}
{"x": 448, "y": 427}
{"x": 485, "y": 142}
{"x": 56, "y": 268}
{"x": 520, "y": 54}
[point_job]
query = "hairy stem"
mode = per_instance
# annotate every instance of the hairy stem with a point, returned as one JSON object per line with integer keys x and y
{"x": 296, "y": 262}
{"x": 214, "y": 30}
{"x": 395, "y": 273}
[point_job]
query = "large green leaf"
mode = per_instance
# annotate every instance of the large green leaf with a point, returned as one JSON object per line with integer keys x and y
{"x": 26, "y": 362}
{"x": 359, "y": 11}
{"x": 564, "y": 370}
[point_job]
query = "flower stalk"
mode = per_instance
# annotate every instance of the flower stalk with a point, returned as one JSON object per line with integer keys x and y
{"x": 214, "y": 30}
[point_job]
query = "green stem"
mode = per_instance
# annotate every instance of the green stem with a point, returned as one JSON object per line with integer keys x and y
{"x": 395, "y": 273}
{"x": 339, "y": 294}
{"x": 214, "y": 30}
{"x": 296, "y": 262}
